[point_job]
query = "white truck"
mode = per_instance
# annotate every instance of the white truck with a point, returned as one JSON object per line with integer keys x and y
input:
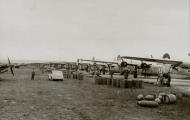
{"x": 56, "y": 75}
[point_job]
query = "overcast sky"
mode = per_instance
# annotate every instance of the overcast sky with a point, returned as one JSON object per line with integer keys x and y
{"x": 71, "y": 29}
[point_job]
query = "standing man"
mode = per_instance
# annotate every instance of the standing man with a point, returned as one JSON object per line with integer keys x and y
{"x": 111, "y": 71}
{"x": 103, "y": 70}
{"x": 33, "y": 75}
{"x": 126, "y": 74}
{"x": 87, "y": 67}
{"x": 135, "y": 72}
{"x": 169, "y": 79}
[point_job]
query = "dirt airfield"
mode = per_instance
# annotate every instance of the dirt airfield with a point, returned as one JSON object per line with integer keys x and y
{"x": 40, "y": 99}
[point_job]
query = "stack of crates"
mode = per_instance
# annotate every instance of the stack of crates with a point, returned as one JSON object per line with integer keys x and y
{"x": 104, "y": 79}
{"x": 80, "y": 76}
{"x": 67, "y": 74}
{"x": 120, "y": 83}
{"x": 123, "y": 83}
{"x": 109, "y": 81}
{"x": 114, "y": 82}
{"x": 140, "y": 84}
{"x": 96, "y": 80}
{"x": 135, "y": 83}
{"x": 100, "y": 80}
{"x": 74, "y": 76}
{"x": 129, "y": 83}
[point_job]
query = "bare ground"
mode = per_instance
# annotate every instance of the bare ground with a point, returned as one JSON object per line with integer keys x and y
{"x": 25, "y": 99}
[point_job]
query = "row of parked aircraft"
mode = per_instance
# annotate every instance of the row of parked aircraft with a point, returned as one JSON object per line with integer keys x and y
{"x": 147, "y": 66}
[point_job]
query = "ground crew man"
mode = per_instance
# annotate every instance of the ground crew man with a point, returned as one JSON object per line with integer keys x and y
{"x": 126, "y": 74}
{"x": 103, "y": 70}
{"x": 87, "y": 67}
{"x": 169, "y": 79}
{"x": 135, "y": 72}
{"x": 111, "y": 71}
{"x": 160, "y": 79}
{"x": 33, "y": 75}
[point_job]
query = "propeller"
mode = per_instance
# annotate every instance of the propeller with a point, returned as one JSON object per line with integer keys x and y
{"x": 124, "y": 64}
{"x": 174, "y": 67}
{"x": 145, "y": 66}
{"x": 109, "y": 67}
{"x": 10, "y": 66}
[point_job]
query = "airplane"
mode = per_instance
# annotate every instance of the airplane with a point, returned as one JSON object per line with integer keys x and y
{"x": 63, "y": 66}
{"x": 162, "y": 68}
{"x": 121, "y": 66}
{"x": 182, "y": 69}
{"x": 94, "y": 65}
{"x": 4, "y": 67}
{"x": 151, "y": 69}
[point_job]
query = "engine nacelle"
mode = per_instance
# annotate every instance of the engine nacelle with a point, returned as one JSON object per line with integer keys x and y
{"x": 145, "y": 66}
{"x": 123, "y": 64}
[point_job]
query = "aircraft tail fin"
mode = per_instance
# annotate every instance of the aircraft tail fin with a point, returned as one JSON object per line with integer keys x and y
{"x": 166, "y": 56}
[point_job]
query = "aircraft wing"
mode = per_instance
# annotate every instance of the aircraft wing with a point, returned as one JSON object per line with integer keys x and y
{"x": 3, "y": 68}
{"x": 185, "y": 65}
{"x": 173, "y": 62}
{"x": 98, "y": 61}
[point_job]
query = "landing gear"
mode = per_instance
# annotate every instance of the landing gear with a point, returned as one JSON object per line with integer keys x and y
{"x": 164, "y": 79}
{"x": 111, "y": 74}
{"x": 168, "y": 80}
{"x": 126, "y": 74}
